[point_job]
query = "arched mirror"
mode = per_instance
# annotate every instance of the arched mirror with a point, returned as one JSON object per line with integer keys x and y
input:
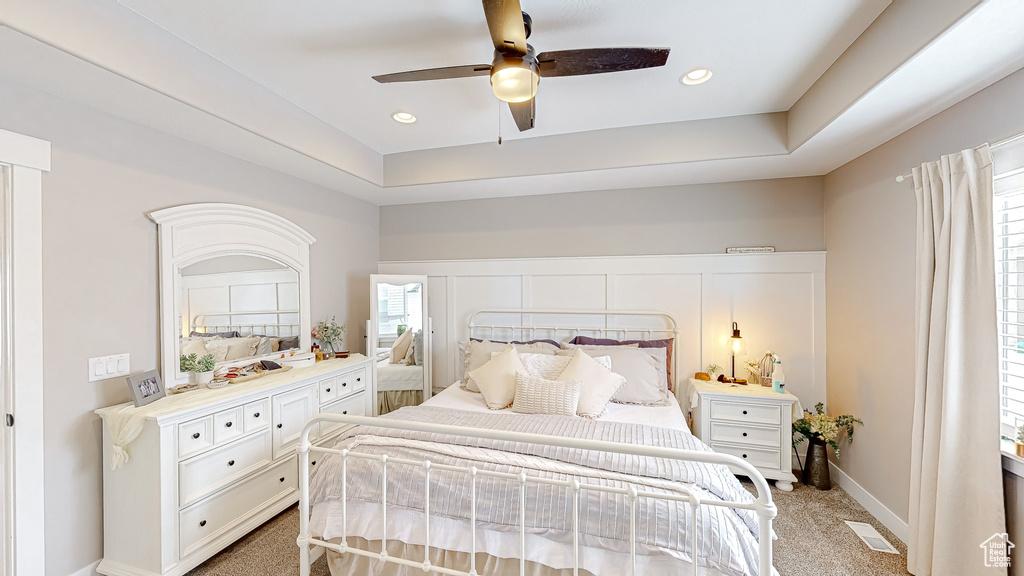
{"x": 398, "y": 337}
{"x": 234, "y": 283}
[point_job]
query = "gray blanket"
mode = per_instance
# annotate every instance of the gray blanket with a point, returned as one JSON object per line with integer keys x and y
{"x": 727, "y": 541}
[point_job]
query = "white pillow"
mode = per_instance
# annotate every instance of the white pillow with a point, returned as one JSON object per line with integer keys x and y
{"x": 643, "y": 382}
{"x": 401, "y": 347}
{"x": 234, "y": 348}
{"x": 479, "y": 353}
{"x": 540, "y": 396}
{"x": 549, "y": 367}
{"x": 659, "y": 354}
{"x": 497, "y": 379}
{"x": 197, "y": 347}
{"x": 599, "y": 383}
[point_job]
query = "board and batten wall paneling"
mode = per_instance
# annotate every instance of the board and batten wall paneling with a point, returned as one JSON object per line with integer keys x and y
{"x": 777, "y": 299}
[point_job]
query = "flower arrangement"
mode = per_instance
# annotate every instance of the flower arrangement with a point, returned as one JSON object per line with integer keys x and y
{"x": 754, "y": 369}
{"x": 194, "y": 363}
{"x": 824, "y": 428}
{"x": 328, "y": 332}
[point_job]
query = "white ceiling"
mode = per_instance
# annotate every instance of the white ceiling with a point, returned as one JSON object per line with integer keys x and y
{"x": 799, "y": 88}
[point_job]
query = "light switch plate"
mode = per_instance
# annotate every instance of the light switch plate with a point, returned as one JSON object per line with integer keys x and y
{"x": 104, "y": 367}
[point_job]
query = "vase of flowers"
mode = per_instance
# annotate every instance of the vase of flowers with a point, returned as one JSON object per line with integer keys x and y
{"x": 821, "y": 430}
{"x": 713, "y": 369}
{"x": 200, "y": 369}
{"x": 329, "y": 334}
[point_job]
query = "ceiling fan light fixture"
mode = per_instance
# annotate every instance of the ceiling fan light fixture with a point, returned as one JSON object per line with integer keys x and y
{"x": 514, "y": 81}
{"x": 696, "y": 76}
{"x": 403, "y": 117}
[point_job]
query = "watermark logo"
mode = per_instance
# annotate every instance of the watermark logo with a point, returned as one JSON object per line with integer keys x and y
{"x": 997, "y": 551}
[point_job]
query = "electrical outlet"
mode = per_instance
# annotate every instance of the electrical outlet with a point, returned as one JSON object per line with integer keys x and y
{"x": 104, "y": 367}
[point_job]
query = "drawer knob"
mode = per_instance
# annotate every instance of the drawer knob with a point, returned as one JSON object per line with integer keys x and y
{"x": 195, "y": 436}
{"x": 330, "y": 389}
{"x": 227, "y": 425}
{"x": 282, "y": 478}
{"x": 314, "y": 463}
{"x": 744, "y": 434}
{"x": 359, "y": 379}
{"x": 343, "y": 384}
{"x": 344, "y": 411}
{"x": 256, "y": 415}
{"x": 744, "y": 412}
{"x": 280, "y": 425}
{"x": 202, "y": 523}
{"x": 744, "y": 455}
{"x": 231, "y": 462}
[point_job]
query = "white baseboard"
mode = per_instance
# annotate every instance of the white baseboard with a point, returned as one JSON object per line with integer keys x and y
{"x": 887, "y": 517}
{"x": 89, "y": 570}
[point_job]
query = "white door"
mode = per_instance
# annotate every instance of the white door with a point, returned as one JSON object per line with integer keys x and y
{"x": 292, "y": 410}
{"x": 6, "y": 437}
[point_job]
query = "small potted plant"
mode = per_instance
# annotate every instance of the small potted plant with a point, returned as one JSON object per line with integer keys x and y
{"x": 713, "y": 369}
{"x": 1019, "y": 442}
{"x": 327, "y": 333}
{"x": 200, "y": 369}
{"x": 821, "y": 430}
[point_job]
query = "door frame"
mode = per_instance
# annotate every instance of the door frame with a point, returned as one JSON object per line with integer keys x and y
{"x": 22, "y": 274}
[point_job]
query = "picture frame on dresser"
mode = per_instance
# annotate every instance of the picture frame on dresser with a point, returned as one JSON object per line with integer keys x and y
{"x": 146, "y": 387}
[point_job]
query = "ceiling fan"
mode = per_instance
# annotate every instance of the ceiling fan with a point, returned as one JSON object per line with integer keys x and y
{"x": 517, "y": 68}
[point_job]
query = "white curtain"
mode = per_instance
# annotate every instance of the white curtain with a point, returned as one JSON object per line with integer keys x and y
{"x": 956, "y": 491}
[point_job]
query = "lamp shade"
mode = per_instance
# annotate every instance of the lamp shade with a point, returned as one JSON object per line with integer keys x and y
{"x": 737, "y": 346}
{"x": 514, "y": 79}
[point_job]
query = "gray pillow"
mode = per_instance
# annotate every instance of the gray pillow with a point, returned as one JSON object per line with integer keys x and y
{"x": 289, "y": 342}
{"x": 417, "y": 342}
{"x": 229, "y": 334}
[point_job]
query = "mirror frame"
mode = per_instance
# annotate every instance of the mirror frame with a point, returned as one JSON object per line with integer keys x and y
{"x": 193, "y": 232}
{"x": 372, "y": 328}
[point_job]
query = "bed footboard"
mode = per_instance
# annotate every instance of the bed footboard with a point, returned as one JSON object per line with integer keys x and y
{"x": 763, "y": 505}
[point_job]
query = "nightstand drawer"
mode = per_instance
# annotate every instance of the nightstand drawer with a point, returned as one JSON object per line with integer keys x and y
{"x": 759, "y": 457}
{"x": 743, "y": 434}
{"x": 748, "y": 413}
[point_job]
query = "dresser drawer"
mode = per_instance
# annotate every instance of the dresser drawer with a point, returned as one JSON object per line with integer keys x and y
{"x": 352, "y": 406}
{"x": 328, "y": 390}
{"x": 219, "y": 468}
{"x": 759, "y": 457}
{"x": 256, "y": 415}
{"x": 195, "y": 436}
{"x": 743, "y": 412}
{"x": 228, "y": 425}
{"x": 351, "y": 382}
{"x": 743, "y": 434}
{"x": 210, "y": 518}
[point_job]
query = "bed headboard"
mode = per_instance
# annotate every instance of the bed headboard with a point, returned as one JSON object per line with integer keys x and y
{"x": 269, "y": 322}
{"x": 564, "y": 325}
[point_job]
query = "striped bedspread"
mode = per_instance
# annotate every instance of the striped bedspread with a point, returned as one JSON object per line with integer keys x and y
{"x": 727, "y": 541}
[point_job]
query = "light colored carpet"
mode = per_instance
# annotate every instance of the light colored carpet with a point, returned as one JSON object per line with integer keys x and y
{"x": 813, "y": 540}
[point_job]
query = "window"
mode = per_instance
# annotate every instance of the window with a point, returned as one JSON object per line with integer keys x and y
{"x": 1008, "y": 165}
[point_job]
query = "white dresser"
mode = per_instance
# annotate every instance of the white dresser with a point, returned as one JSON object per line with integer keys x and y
{"x": 201, "y": 477}
{"x": 751, "y": 422}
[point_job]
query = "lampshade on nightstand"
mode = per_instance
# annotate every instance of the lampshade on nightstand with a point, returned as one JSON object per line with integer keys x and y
{"x": 737, "y": 347}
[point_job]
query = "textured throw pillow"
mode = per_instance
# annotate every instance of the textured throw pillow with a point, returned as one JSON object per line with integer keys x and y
{"x": 417, "y": 342}
{"x": 599, "y": 383}
{"x": 479, "y": 353}
{"x": 235, "y": 348}
{"x": 668, "y": 344}
{"x": 497, "y": 379}
{"x": 540, "y": 396}
{"x": 401, "y": 347}
{"x": 643, "y": 381}
{"x": 197, "y": 347}
{"x": 410, "y": 354}
{"x": 264, "y": 347}
{"x": 549, "y": 367}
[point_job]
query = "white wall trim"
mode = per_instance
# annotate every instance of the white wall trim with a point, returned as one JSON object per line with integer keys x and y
{"x": 89, "y": 570}
{"x": 887, "y": 517}
{"x": 24, "y": 254}
{"x": 26, "y": 151}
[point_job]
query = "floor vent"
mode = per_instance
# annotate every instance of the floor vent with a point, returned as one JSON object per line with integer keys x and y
{"x": 871, "y": 537}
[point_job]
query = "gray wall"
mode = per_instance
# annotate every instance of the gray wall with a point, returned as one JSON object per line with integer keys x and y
{"x": 100, "y": 291}
{"x": 695, "y": 219}
{"x": 870, "y": 235}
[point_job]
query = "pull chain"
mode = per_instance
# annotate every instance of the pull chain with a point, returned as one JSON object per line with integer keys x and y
{"x": 499, "y": 123}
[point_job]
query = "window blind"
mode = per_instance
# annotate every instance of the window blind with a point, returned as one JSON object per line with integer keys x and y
{"x": 1008, "y": 208}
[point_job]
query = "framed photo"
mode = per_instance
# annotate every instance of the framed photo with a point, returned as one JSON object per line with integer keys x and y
{"x": 146, "y": 387}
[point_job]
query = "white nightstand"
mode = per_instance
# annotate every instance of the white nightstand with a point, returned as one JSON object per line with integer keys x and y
{"x": 751, "y": 422}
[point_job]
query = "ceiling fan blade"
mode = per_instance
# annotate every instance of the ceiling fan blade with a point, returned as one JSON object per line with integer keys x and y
{"x": 436, "y": 73}
{"x": 505, "y": 21}
{"x": 598, "y": 60}
{"x": 524, "y": 113}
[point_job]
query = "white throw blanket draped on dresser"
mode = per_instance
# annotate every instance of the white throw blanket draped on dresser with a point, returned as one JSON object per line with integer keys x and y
{"x": 956, "y": 492}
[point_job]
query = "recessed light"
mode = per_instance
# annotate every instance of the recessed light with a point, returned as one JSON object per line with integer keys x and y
{"x": 403, "y": 117}
{"x": 697, "y": 76}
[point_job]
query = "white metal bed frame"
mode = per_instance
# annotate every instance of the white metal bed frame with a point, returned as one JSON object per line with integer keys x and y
{"x": 763, "y": 506}
{"x": 293, "y": 327}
